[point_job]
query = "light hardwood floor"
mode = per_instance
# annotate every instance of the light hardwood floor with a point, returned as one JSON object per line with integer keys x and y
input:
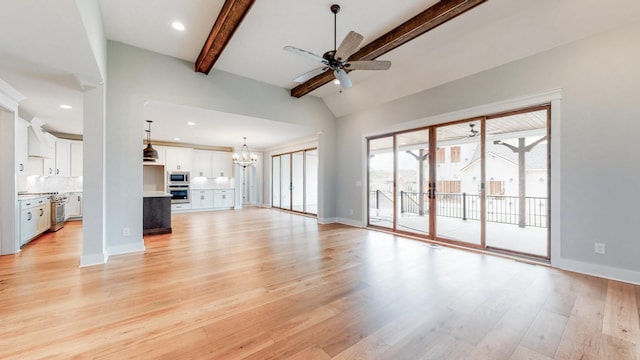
{"x": 264, "y": 284}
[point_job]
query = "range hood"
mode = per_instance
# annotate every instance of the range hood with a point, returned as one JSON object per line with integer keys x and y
{"x": 41, "y": 143}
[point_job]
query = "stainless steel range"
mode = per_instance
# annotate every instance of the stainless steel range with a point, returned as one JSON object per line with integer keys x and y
{"x": 58, "y": 202}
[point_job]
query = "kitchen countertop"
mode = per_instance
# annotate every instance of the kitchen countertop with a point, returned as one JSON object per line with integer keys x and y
{"x": 213, "y": 188}
{"x": 31, "y": 197}
{"x": 155, "y": 194}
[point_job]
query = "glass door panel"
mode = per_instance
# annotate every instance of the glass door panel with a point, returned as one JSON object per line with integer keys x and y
{"x": 285, "y": 181}
{"x": 381, "y": 192}
{"x": 412, "y": 182}
{"x": 458, "y": 182}
{"x": 297, "y": 181}
{"x": 517, "y": 209}
{"x": 311, "y": 181}
{"x": 275, "y": 183}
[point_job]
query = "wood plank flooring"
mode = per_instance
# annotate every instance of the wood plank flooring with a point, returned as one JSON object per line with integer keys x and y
{"x": 264, "y": 284}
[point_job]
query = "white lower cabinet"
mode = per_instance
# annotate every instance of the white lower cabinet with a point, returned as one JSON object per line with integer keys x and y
{"x": 180, "y": 207}
{"x": 35, "y": 218}
{"x": 201, "y": 199}
{"x": 223, "y": 198}
{"x": 73, "y": 207}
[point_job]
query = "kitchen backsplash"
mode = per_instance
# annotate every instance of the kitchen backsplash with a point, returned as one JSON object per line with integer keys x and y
{"x": 211, "y": 183}
{"x": 60, "y": 184}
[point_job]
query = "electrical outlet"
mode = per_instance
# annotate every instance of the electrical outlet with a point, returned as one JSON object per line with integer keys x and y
{"x": 126, "y": 231}
{"x": 599, "y": 248}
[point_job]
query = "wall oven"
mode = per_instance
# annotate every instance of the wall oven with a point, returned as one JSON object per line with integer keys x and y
{"x": 179, "y": 194}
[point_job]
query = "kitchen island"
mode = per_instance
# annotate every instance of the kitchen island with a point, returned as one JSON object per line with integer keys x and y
{"x": 156, "y": 213}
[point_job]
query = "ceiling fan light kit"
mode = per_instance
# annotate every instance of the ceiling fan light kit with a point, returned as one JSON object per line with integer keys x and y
{"x": 337, "y": 60}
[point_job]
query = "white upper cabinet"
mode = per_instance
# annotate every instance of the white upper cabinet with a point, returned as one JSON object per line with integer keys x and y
{"x": 63, "y": 150}
{"x": 178, "y": 159}
{"x": 222, "y": 164}
{"x": 22, "y": 146}
{"x": 75, "y": 158}
{"x": 202, "y": 163}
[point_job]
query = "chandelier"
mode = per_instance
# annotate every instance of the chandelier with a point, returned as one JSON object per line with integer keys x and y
{"x": 245, "y": 158}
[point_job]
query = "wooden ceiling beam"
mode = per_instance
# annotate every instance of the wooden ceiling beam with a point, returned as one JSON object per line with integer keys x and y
{"x": 425, "y": 21}
{"x": 228, "y": 21}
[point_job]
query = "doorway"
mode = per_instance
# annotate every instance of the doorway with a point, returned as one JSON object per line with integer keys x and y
{"x": 480, "y": 182}
{"x": 295, "y": 181}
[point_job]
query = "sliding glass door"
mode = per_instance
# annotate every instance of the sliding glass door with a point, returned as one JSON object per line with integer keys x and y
{"x": 458, "y": 182}
{"x": 517, "y": 162}
{"x": 481, "y": 182}
{"x": 381, "y": 182}
{"x": 295, "y": 181}
{"x": 412, "y": 181}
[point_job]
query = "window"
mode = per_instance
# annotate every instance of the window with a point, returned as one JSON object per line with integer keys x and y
{"x": 455, "y": 154}
{"x": 448, "y": 186}
{"x": 495, "y": 187}
{"x": 440, "y": 155}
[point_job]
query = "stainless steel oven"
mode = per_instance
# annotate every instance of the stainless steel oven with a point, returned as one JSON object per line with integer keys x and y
{"x": 179, "y": 194}
{"x": 58, "y": 203}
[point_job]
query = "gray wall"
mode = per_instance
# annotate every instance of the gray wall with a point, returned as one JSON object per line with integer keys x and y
{"x": 600, "y": 191}
{"x": 136, "y": 75}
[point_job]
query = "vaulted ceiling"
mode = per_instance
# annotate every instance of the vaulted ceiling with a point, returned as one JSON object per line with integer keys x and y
{"x": 46, "y": 51}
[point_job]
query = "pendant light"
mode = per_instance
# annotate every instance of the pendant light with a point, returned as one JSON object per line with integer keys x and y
{"x": 149, "y": 153}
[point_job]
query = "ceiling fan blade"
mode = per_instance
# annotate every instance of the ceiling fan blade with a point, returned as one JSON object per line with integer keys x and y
{"x": 305, "y": 53}
{"x": 368, "y": 65}
{"x": 349, "y": 45}
{"x": 342, "y": 76}
{"x": 309, "y": 74}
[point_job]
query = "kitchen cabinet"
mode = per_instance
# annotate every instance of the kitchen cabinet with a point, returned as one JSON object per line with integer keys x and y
{"x": 202, "y": 163}
{"x": 223, "y": 198}
{"x": 180, "y": 207}
{"x": 63, "y": 149}
{"x": 178, "y": 159}
{"x": 48, "y": 167}
{"x": 75, "y": 158}
{"x": 35, "y": 218}
{"x": 201, "y": 199}
{"x": 222, "y": 164}
{"x": 22, "y": 146}
{"x": 73, "y": 207}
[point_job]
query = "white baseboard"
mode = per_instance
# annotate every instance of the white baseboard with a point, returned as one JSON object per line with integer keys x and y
{"x": 350, "y": 222}
{"x": 126, "y": 249}
{"x": 325, "y": 221}
{"x": 93, "y": 259}
{"x": 603, "y": 271}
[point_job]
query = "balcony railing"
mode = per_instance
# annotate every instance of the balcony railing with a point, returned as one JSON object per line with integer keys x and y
{"x": 500, "y": 209}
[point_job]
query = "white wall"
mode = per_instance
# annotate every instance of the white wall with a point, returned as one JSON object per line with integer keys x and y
{"x": 9, "y": 217}
{"x": 598, "y": 186}
{"x": 136, "y": 75}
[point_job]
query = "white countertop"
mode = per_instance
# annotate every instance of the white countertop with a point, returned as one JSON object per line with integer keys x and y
{"x": 212, "y": 188}
{"x": 156, "y": 194}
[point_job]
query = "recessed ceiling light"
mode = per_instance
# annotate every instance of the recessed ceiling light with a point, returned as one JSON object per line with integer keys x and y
{"x": 66, "y": 107}
{"x": 177, "y": 25}
{"x": 176, "y": 139}
{"x": 191, "y": 123}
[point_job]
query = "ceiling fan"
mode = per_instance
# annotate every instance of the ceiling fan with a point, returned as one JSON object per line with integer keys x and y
{"x": 337, "y": 59}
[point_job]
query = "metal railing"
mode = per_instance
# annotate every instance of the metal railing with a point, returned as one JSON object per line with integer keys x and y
{"x": 500, "y": 209}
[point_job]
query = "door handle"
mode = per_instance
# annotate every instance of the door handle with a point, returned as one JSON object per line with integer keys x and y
{"x": 21, "y": 167}
{"x": 41, "y": 212}
{"x": 30, "y": 216}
